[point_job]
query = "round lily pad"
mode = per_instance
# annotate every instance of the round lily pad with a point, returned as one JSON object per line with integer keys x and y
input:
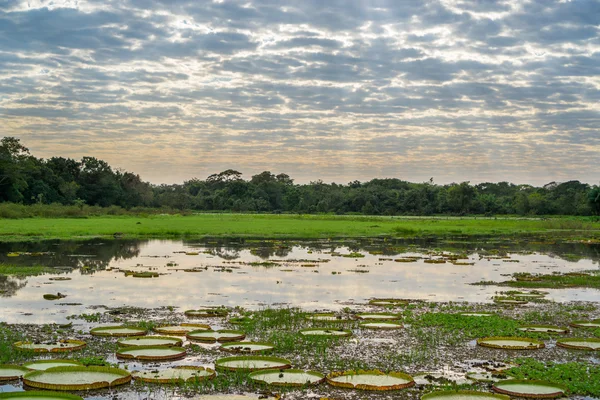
{"x": 60, "y": 346}
{"x": 247, "y": 347}
{"x": 117, "y": 331}
{"x": 223, "y": 335}
{"x": 377, "y": 316}
{"x": 175, "y": 375}
{"x": 180, "y": 330}
{"x": 477, "y": 314}
{"x": 388, "y": 302}
{"x": 151, "y": 353}
{"x": 239, "y": 320}
{"x": 463, "y": 395}
{"x": 511, "y": 343}
{"x": 543, "y": 329}
{"x": 258, "y": 396}
{"x": 327, "y": 317}
{"x": 528, "y": 295}
{"x": 370, "y": 380}
{"x": 39, "y": 395}
{"x": 288, "y": 377}
{"x": 381, "y": 325}
{"x": 77, "y": 378}
{"x": 529, "y": 388}
{"x": 150, "y": 341}
{"x": 42, "y": 365}
{"x": 586, "y": 324}
{"x": 206, "y": 313}
{"x": 9, "y": 372}
{"x": 509, "y": 301}
{"x": 581, "y": 344}
{"x": 487, "y": 377}
{"x": 251, "y": 363}
{"x": 325, "y": 332}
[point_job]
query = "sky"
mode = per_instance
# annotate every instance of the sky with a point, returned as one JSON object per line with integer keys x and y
{"x": 338, "y": 90}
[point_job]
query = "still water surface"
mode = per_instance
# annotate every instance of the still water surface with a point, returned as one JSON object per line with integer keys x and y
{"x": 313, "y": 275}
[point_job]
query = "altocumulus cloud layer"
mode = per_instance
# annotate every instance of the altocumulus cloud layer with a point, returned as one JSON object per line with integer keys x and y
{"x": 478, "y": 90}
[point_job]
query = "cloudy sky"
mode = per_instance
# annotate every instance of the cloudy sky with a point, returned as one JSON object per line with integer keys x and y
{"x": 478, "y": 90}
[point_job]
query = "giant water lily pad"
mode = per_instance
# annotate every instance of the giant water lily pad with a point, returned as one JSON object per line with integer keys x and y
{"x": 581, "y": 344}
{"x": 586, "y": 324}
{"x": 38, "y": 395}
{"x": 42, "y": 365}
{"x": 224, "y": 335}
{"x": 175, "y": 375}
{"x": 9, "y": 372}
{"x": 151, "y": 353}
{"x": 247, "y": 347}
{"x": 477, "y": 314}
{"x": 327, "y": 317}
{"x": 388, "y": 302}
{"x": 463, "y": 395}
{"x": 206, "y": 313}
{"x": 288, "y": 377}
{"x": 150, "y": 341}
{"x": 377, "y": 316}
{"x": 259, "y": 396}
{"x": 117, "y": 331}
{"x": 370, "y": 380}
{"x": 325, "y": 332}
{"x": 529, "y": 388}
{"x": 543, "y": 329}
{"x": 76, "y": 378}
{"x": 511, "y": 343}
{"x": 251, "y": 363}
{"x": 509, "y": 301}
{"x": 181, "y": 330}
{"x": 60, "y": 346}
{"x": 381, "y": 325}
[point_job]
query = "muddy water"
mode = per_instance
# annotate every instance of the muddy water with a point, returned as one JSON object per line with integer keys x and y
{"x": 312, "y": 275}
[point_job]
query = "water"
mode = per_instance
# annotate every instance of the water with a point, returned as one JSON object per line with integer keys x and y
{"x": 226, "y": 274}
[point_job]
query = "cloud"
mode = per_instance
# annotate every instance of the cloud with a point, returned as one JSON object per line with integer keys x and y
{"x": 441, "y": 88}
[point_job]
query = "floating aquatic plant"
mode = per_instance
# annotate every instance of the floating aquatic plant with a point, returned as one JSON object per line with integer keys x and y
{"x": 463, "y": 395}
{"x": 223, "y": 335}
{"x": 251, "y": 363}
{"x": 381, "y": 325}
{"x": 370, "y": 380}
{"x": 377, "y": 316}
{"x": 10, "y": 372}
{"x": 530, "y": 389}
{"x": 247, "y": 347}
{"x": 288, "y": 377}
{"x": 511, "y": 343}
{"x": 586, "y": 324}
{"x": 149, "y": 341}
{"x": 77, "y": 378}
{"x": 487, "y": 376}
{"x": 206, "y": 313}
{"x": 477, "y": 314}
{"x": 177, "y": 374}
{"x": 117, "y": 331}
{"x": 326, "y": 317}
{"x": 180, "y": 330}
{"x": 543, "y": 329}
{"x": 325, "y": 332}
{"x": 151, "y": 353}
{"x": 581, "y": 344}
{"x": 60, "y": 346}
{"x": 38, "y": 395}
{"x": 388, "y": 302}
{"x": 42, "y": 365}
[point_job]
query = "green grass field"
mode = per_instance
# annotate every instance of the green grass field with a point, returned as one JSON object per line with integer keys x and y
{"x": 286, "y": 226}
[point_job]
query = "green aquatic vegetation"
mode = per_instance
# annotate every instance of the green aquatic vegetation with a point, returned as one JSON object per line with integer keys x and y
{"x": 177, "y": 374}
{"x": 23, "y": 271}
{"x": 8, "y": 352}
{"x": 117, "y": 331}
{"x": 466, "y": 327}
{"x": 151, "y": 353}
{"x": 586, "y": 279}
{"x": 95, "y": 317}
{"x": 579, "y": 343}
{"x": 578, "y": 377}
{"x": 510, "y": 343}
{"x": 10, "y": 372}
{"x": 41, "y": 395}
{"x": 370, "y": 380}
{"x": 288, "y": 377}
{"x": 251, "y": 363}
{"x": 453, "y": 394}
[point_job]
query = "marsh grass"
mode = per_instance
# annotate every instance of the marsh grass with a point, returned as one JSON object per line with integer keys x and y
{"x": 9, "y": 354}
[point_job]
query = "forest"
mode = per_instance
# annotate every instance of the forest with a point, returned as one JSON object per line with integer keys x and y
{"x": 26, "y": 179}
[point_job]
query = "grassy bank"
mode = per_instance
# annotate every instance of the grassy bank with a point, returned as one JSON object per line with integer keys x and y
{"x": 286, "y": 226}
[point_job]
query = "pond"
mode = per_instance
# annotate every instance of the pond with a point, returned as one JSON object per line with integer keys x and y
{"x": 313, "y": 275}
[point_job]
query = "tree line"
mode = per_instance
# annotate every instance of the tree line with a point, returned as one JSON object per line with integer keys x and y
{"x": 26, "y": 179}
